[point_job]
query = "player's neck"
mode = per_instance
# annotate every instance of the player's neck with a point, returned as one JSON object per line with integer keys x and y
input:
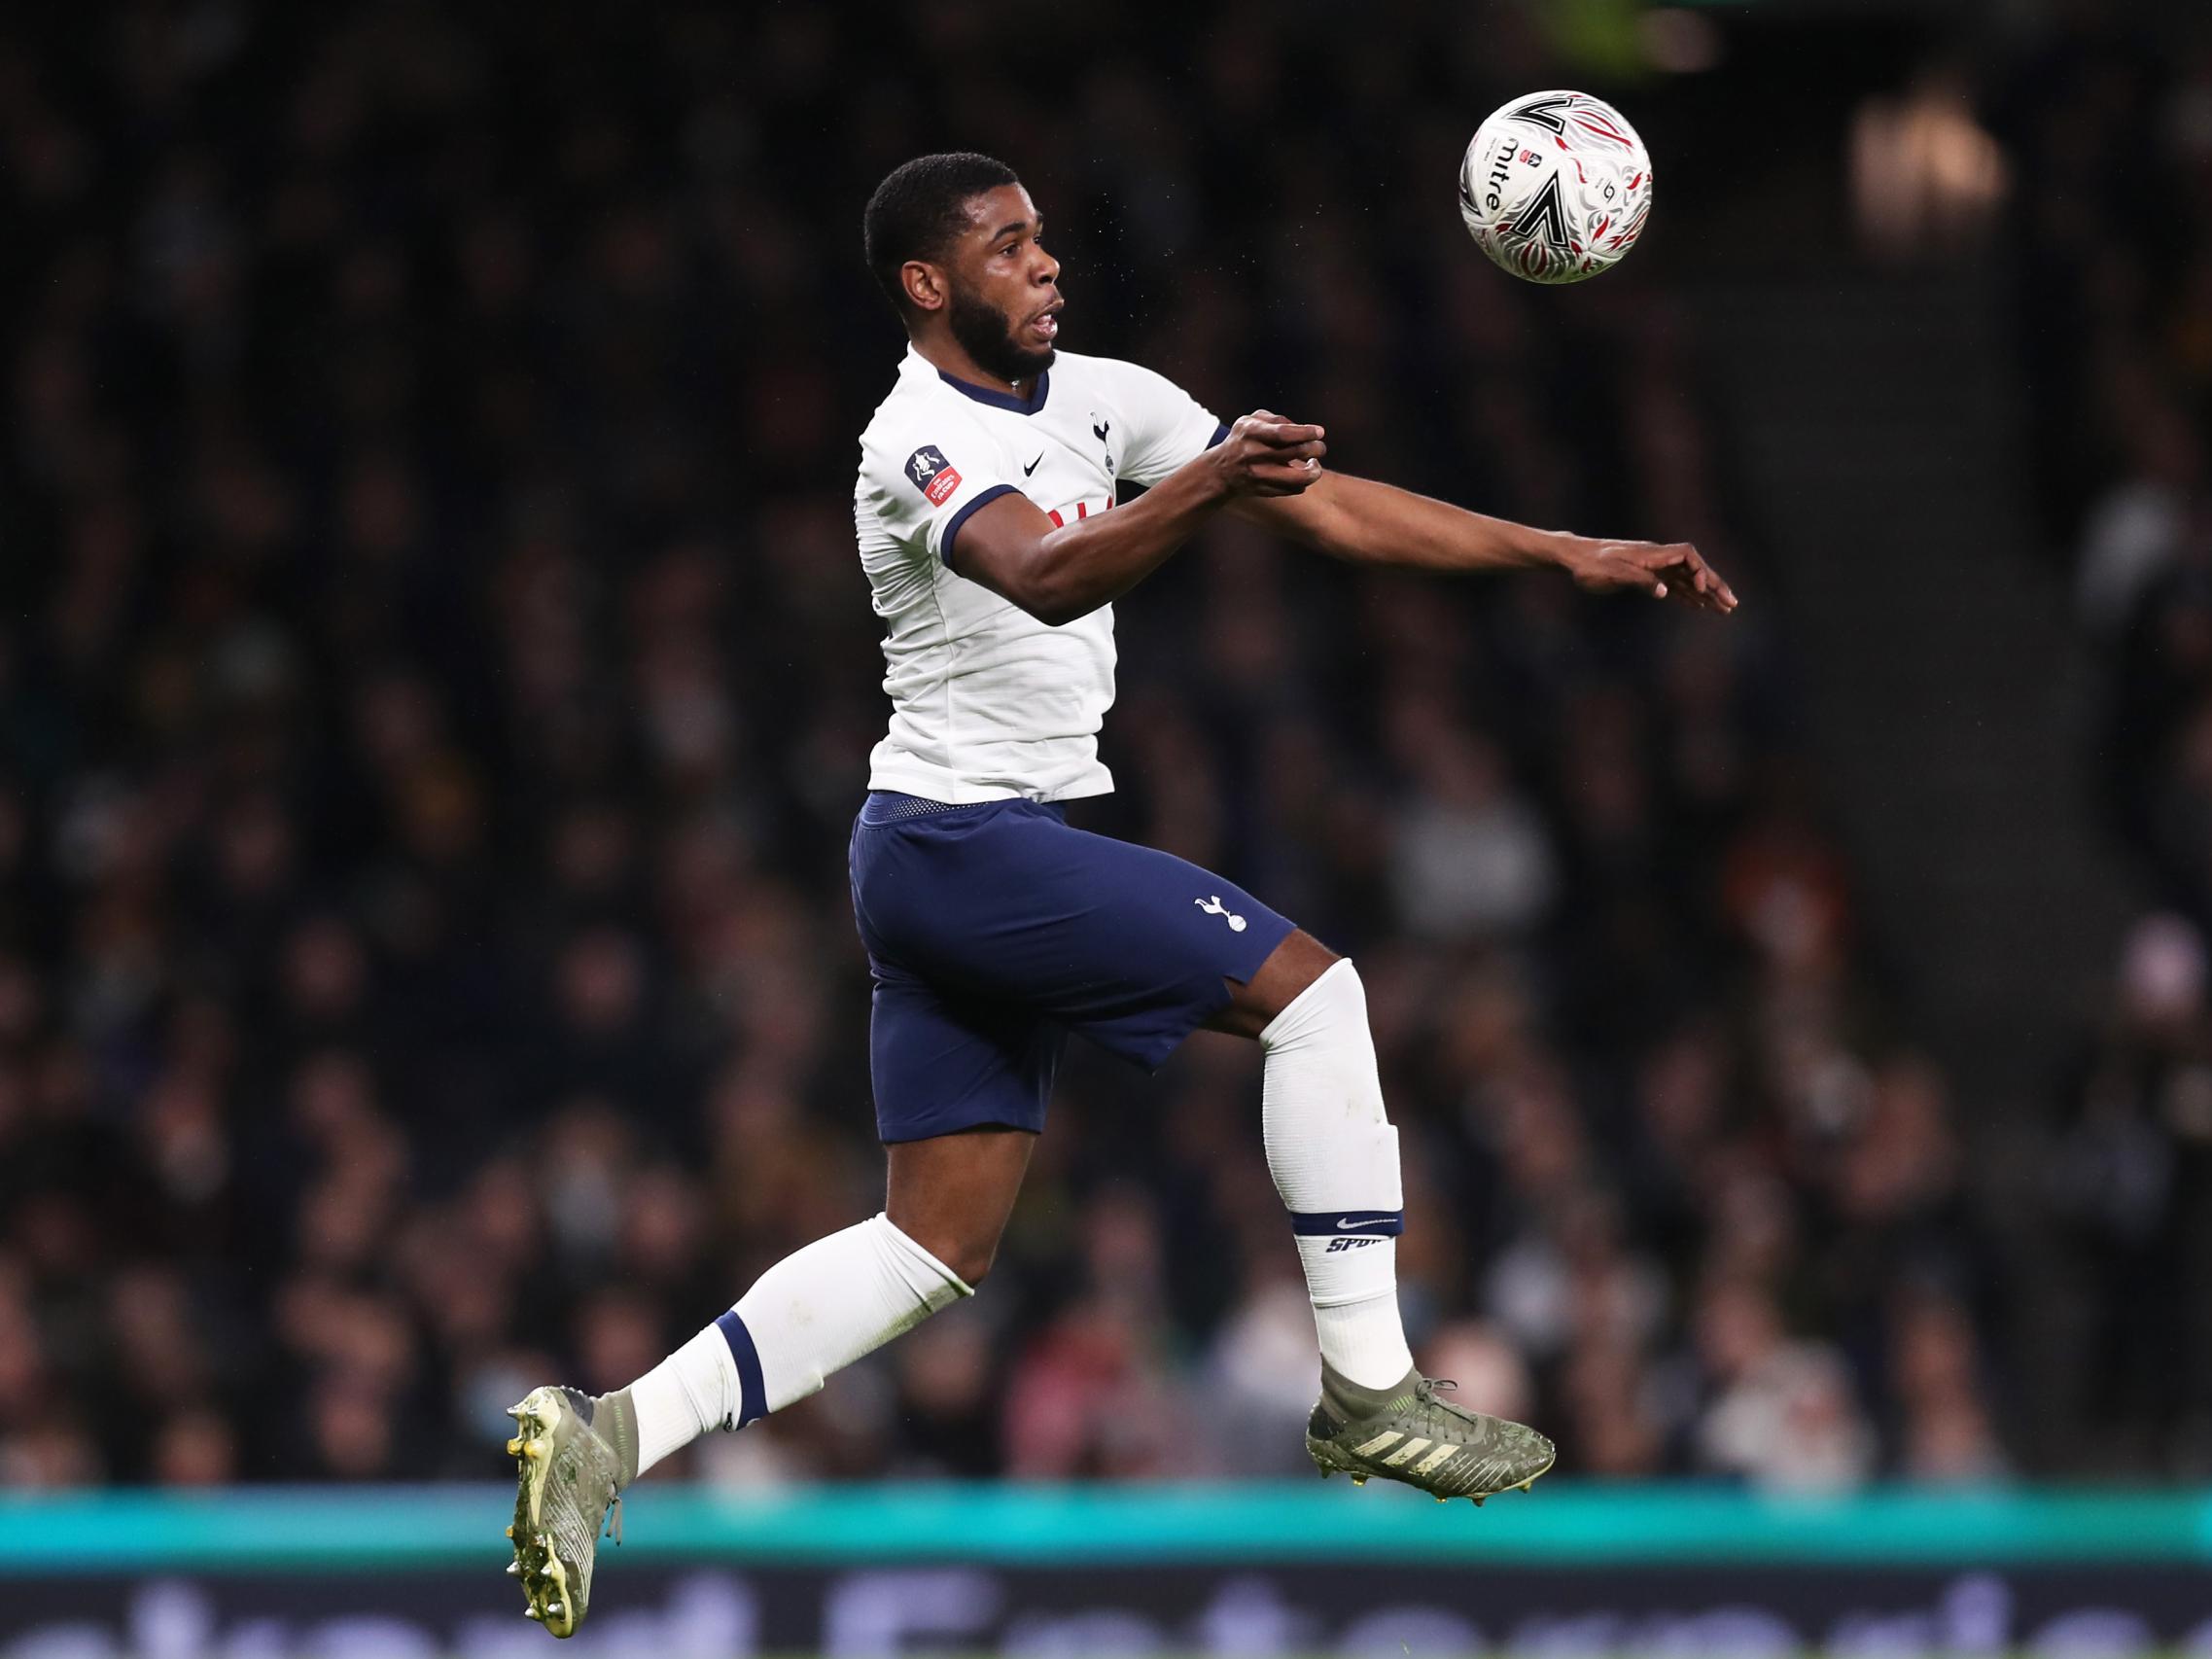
{"x": 946, "y": 355}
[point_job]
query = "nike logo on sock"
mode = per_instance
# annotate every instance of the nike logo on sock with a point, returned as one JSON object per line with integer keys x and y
{"x": 1324, "y": 1223}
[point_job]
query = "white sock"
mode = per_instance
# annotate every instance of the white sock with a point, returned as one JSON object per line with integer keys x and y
{"x": 815, "y": 1312}
{"x": 1335, "y": 1162}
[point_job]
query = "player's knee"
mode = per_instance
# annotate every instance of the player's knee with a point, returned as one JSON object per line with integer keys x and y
{"x": 966, "y": 1253}
{"x": 1330, "y": 1006}
{"x": 974, "y": 1264}
{"x": 971, "y": 1255}
{"x": 1291, "y": 970}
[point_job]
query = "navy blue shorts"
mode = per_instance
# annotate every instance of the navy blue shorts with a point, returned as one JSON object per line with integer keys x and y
{"x": 994, "y": 930}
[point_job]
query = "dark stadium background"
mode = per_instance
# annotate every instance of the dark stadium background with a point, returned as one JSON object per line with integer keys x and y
{"x": 436, "y": 681}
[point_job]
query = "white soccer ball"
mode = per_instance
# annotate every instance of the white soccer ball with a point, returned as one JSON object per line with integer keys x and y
{"x": 1556, "y": 186}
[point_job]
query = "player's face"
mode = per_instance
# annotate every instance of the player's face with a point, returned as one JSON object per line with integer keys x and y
{"x": 1004, "y": 300}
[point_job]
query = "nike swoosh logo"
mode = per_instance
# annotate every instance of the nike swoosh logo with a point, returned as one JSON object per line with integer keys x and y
{"x": 1032, "y": 467}
{"x": 1343, "y": 1223}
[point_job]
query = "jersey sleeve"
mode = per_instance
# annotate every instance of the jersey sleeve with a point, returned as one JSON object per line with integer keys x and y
{"x": 927, "y": 477}
{"x": 1167, "y": 425}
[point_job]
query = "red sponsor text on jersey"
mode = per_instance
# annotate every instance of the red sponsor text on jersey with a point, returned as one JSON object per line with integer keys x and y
{"x": 1082, "y": 510}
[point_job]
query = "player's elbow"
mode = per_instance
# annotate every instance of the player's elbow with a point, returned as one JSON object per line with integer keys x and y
{"x": 1038, "y": 602}
{"x": 1031, "y": 580}
{"x": 1053, "y": 599}
{"x": 1059, "y": 616}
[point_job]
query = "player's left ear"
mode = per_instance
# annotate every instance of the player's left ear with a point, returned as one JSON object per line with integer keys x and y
{"x": 924, "y": 285}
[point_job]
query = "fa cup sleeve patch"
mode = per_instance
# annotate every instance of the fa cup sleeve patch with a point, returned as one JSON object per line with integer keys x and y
{"x": 933, "y": 476}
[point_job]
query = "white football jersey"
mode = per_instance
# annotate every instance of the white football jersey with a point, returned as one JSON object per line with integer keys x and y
{"x": 986, "y": 701}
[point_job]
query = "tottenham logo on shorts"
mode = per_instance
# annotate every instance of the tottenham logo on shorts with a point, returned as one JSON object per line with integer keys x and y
{"x": 933, "y": 476}
{"x": 1215, "y": 908}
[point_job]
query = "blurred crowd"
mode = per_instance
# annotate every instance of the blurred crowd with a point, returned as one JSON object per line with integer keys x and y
{"x": 436, "y": 680}
{"x": 2111, "y": 125}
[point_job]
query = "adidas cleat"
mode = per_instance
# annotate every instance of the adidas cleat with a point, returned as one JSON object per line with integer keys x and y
{"x": 569, "y": 1471}
{"x": 1407, "y": 1434}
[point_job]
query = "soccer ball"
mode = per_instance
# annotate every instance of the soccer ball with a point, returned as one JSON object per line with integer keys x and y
{"x": 1556, "y": 186}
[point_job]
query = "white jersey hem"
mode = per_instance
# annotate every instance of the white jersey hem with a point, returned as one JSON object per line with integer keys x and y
{"x": 957, "y": 791}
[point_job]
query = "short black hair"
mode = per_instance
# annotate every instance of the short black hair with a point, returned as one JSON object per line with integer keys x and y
{"x": 920, "y": 208}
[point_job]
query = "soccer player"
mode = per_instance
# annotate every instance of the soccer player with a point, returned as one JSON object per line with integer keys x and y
{"x": 995, "y": 538}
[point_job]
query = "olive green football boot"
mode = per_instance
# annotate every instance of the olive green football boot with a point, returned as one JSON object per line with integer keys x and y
{"x": 1406, "y": 1433}
{"x": 573, "y": 1453}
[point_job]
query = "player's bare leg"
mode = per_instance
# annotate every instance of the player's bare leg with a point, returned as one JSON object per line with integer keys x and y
{"x": 1282, "y": 978}
{"x": 1335, "y": 1162}
{"x": 812, "y": 1313}
{"x": 952, "y": 1194}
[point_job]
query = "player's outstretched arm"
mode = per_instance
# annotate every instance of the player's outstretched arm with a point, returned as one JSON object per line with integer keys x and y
{"x": 1059, "y": 573}
{"x": 1365, "y": 522}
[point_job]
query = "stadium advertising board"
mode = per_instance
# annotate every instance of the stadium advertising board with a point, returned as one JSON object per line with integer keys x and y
{"x": 1289, "y": 1571}
{"x": 672, "y": 1612}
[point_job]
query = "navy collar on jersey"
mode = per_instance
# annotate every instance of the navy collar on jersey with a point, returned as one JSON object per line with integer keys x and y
{"x": 1004, "y": 400}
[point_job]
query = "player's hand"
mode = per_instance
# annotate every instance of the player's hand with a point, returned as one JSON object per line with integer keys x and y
{"x": 1665, "y": 570}
{"x": 1265, "y": 454}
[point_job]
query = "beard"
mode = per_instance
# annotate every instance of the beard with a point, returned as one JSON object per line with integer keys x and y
{"x": 986, "y": 337}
